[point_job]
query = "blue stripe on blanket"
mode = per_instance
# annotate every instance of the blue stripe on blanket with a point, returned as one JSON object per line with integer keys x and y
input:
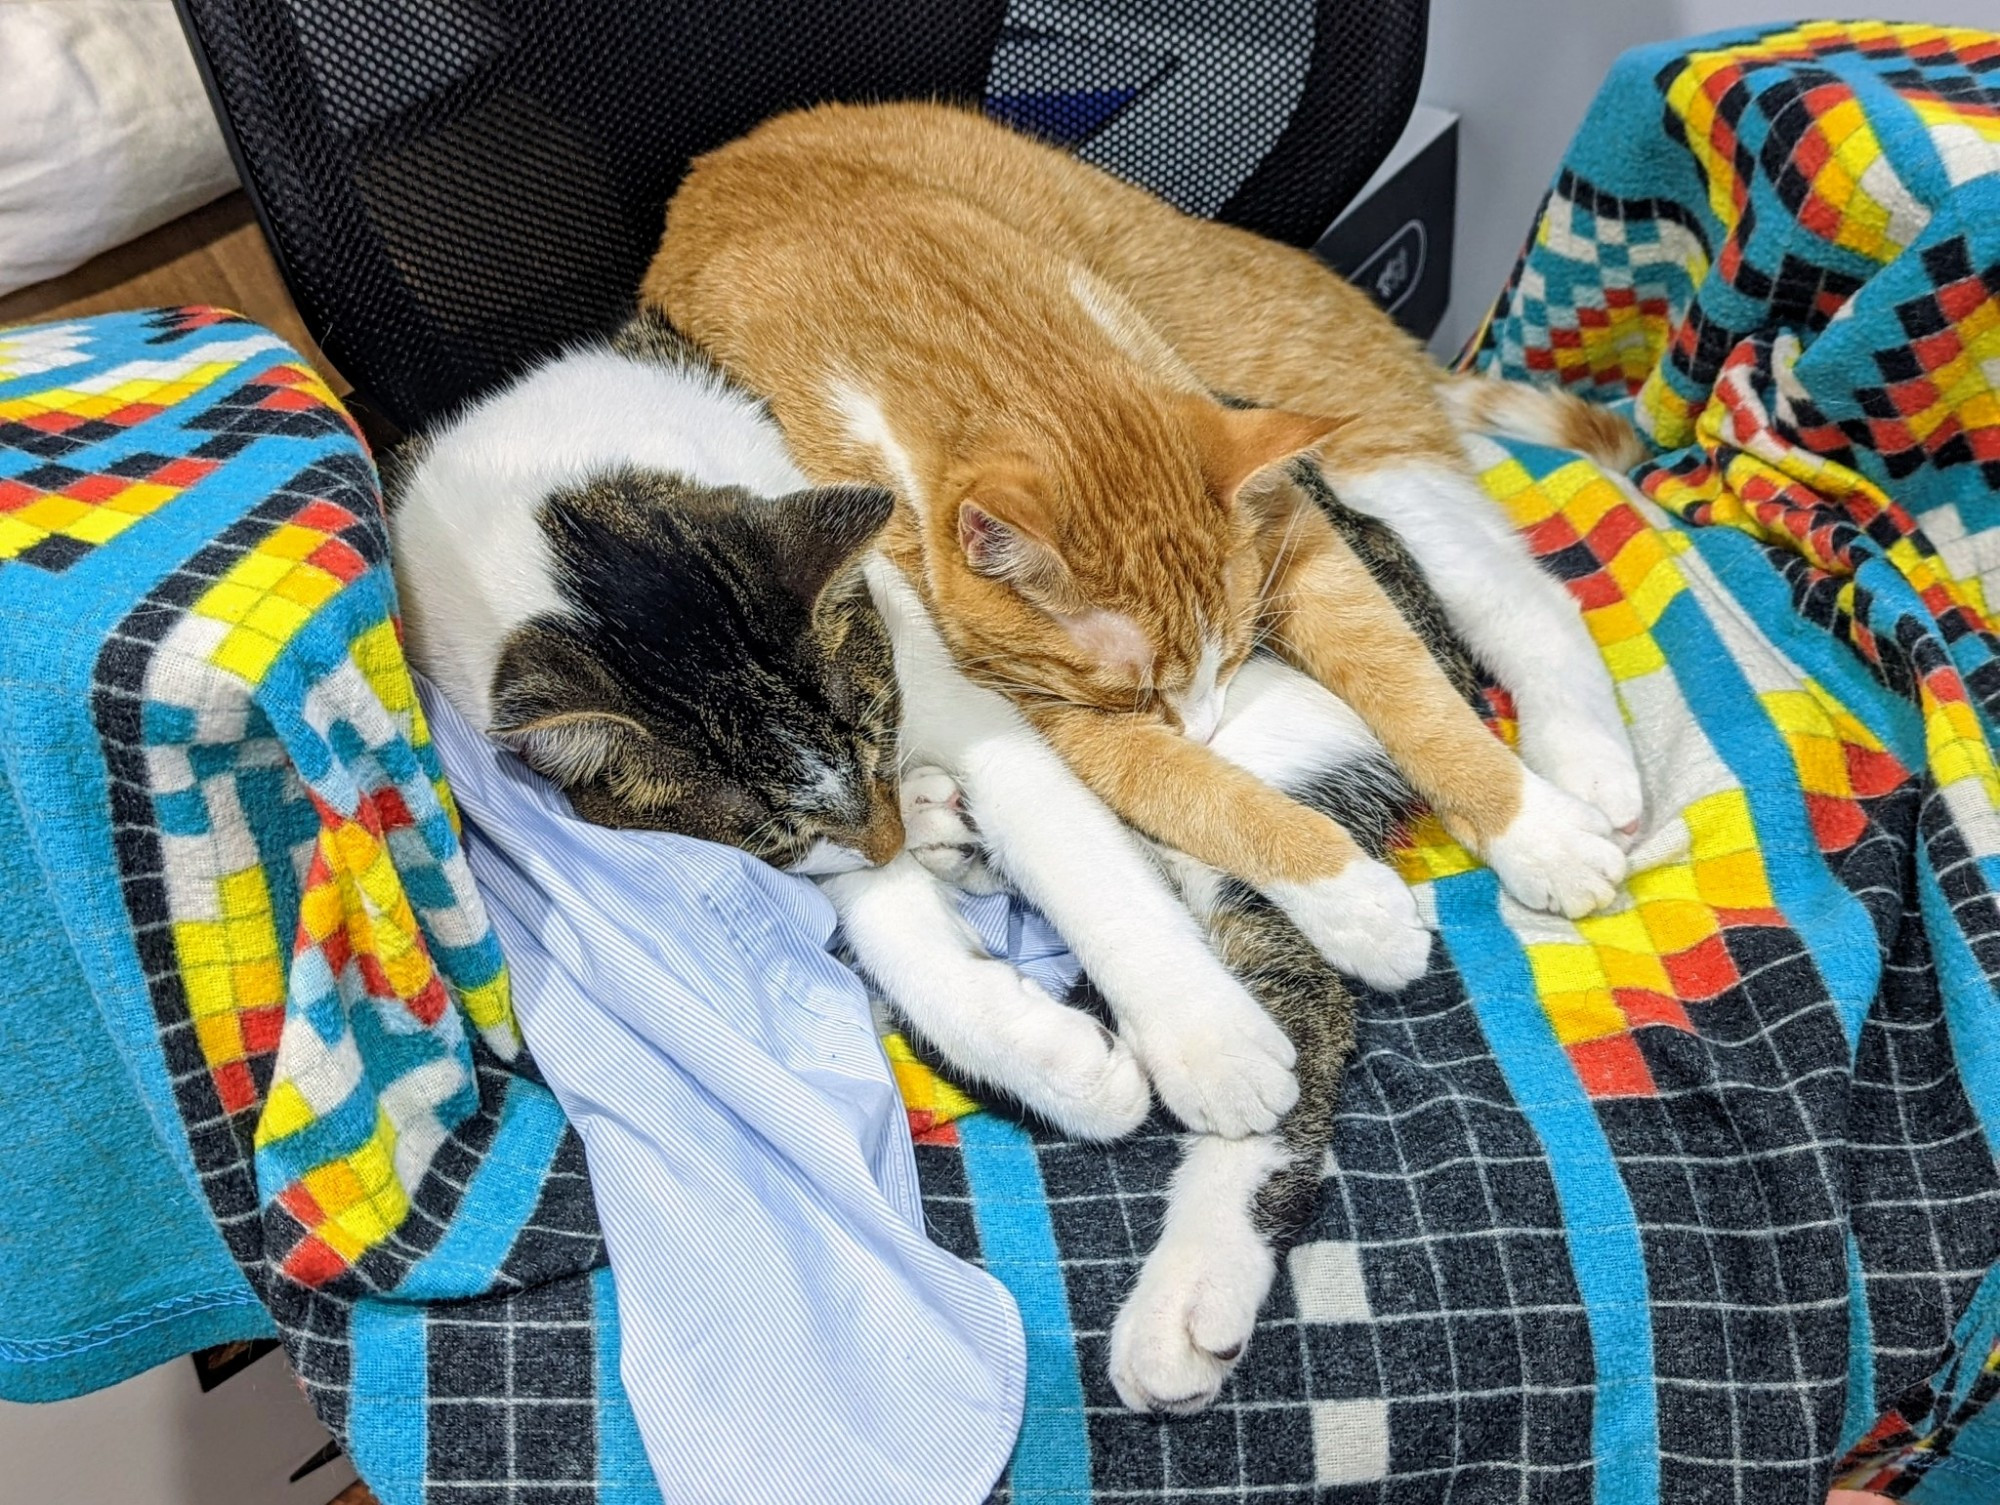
{"x": 1605, "y": 1251}
{"x": 387, "y": 1434}
{"x": 1744, "y": 568}
{"x": 499, "y": 1202}
{"x": 1969, "y": 1005}
{"x": 1845, "y": 948}
{"x": 624, "y": 1477}
{"x": 1860, "y": 1350}
{"x": 1052, "y": 1459}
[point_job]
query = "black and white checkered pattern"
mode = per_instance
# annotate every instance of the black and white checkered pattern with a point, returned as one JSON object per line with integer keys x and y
{"x": 512, "y": 1411}
{"x": 1429, "y": 1341}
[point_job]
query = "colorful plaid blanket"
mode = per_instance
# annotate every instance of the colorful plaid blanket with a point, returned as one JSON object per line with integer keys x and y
{"x": 1693, "y": 1200}
{"x": 1671, "y": 1203}
{"x": 261, "y": 1065}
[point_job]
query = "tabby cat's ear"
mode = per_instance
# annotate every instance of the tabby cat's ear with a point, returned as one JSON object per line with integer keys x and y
{"x": 1004, "y": 530}
{"x": 571, "y": 748}
{"x": 818, "y": 532}
{"x": 1244, "y": 450}
{"x": 553, "y": 704}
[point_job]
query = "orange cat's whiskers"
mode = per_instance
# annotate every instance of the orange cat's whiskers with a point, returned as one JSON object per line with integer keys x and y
{"x": 1277, "y": 607}
{"x": 975, "y": 660}
{"x": 1281, "y": 555}
{"x": 1020, "y": 689}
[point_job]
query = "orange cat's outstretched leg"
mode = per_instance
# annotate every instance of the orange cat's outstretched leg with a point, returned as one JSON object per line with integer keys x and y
{"x": 1328, "y": 616}
{"x": 1358, "y": 913}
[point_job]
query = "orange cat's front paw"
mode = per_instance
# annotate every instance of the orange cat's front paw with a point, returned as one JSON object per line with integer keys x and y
{"x": 1558, "y": 855}
{"x": 1365, "y": 921}
{"x": 1589, "y": 759}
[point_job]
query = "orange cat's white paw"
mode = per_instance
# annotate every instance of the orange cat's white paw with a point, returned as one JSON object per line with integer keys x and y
{"x": 940, "y": 834}
{"x": 1559, "y": 854}
{"x": 1218, "y": 1061}
{"x": 1589, "y": 760}
{"x": 1365, "y": 922}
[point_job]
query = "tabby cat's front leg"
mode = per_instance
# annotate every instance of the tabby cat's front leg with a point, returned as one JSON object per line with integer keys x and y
{"x": 991, "y": 1024}
{"x": 1187, "y": 1320}
{"x": 1551, "y": 850}
{"x": 1236, "y": 1207}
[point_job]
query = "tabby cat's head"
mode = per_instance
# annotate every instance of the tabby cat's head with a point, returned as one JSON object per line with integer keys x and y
{"x": 720, "y": 671}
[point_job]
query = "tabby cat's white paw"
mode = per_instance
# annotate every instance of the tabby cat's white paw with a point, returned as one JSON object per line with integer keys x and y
{"x": 1218, "y": 1061}
{"x": 1062, "y": 1064}
{"x": 940, "y": 833}
{"x": 1365, "y": 922}
{"x": 1589, "y": 760}
{"x": 1558, "y": 855}
{"x": 1188, "y": 1320}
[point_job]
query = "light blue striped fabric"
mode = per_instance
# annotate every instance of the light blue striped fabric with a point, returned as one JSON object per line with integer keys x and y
{"x": 789, "y": 1332}
{"x": 1009, "y": 926}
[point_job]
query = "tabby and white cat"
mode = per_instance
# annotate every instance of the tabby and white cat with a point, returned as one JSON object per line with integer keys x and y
{"x": 1023, "y": 349}
{"x": 612, "y": 567}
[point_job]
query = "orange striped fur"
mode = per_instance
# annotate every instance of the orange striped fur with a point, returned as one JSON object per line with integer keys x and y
{"x": 1022, "y": 347}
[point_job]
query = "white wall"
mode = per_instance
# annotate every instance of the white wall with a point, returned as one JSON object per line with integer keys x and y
{"x": 1521, "y": 73}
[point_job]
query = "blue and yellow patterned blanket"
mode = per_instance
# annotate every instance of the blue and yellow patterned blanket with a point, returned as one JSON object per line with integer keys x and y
{"x": 262, "y": 1070}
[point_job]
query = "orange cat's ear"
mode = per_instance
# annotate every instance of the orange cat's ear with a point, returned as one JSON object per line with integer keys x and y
{"x": 1242, "y": 448}
{"x": 1004, "y": 530}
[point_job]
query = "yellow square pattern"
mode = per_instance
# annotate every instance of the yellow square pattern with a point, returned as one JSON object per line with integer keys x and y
{"x": 286, "y": 1111}
{"x": 266, "y": 597}
{"x": 922, "y": 1090}
{"x": 231, "y": 964}
{"x": 359, "y": 1193}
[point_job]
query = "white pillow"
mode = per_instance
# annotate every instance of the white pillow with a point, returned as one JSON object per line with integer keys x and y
{"x": 105, "y": 131}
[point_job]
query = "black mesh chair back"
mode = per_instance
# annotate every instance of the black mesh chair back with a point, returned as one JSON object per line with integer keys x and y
{"x": 455, "y": 187}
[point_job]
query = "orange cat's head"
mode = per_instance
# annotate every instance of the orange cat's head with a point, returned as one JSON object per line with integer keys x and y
{"x": 1118, "y": 558}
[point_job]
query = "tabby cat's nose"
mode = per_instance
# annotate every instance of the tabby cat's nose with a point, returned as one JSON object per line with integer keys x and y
{"x": 884, "y": 837}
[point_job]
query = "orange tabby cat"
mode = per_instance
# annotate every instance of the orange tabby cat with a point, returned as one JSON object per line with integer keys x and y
{"x": 1023, "y": 348}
